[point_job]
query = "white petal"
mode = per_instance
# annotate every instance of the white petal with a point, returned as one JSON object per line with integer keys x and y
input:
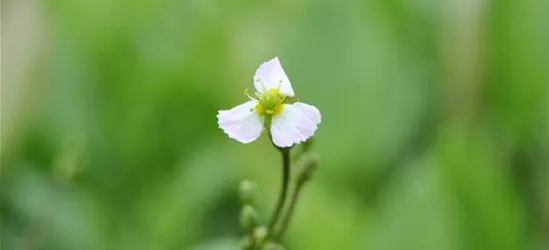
{"x": 295, "y": 124}
{"x": 241, "y": 123}
{"x": 271, "y": 75}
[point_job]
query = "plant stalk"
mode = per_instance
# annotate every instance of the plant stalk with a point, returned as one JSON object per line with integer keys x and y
{"x": 284, "y": 189}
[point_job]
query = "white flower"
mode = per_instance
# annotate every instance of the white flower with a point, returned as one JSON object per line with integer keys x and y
{"x": 271, "y": 108}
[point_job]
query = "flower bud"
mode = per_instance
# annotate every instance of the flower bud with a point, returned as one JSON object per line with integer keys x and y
{"x": 273, "y": 246}
{"x": 309, "y": 164}
{"x": 246, "y": 243}
{"x": 260, "y": 234}
{"x": 308, "y": 144}
{"x": 248, "y": 217}
{"x": 247, "y": 192}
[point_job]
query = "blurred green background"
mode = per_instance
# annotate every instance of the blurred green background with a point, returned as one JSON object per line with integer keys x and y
{"x": 435, "y": 131}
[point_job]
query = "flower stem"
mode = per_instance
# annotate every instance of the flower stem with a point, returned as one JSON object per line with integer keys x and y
{"x": 288, "y": 217}
{"x": 309, "y": 165}
{"x": 284, "y": 189}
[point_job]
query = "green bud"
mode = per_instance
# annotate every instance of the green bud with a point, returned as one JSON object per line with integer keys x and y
{"x": 247, "y": 192}
{"x": 309, "y": 164}
{"x": 247, "y": 243}
{"x": 303, "y": 149}
{"x": 260, "y": 234}
{"x": 273, "y": 246}
{"x": 248, "y": 217}
{"x": 308, "y": 144}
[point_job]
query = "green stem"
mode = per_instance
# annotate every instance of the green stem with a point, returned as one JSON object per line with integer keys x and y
{"x": 289, "y": 213}
{"x": 284, "y": 189}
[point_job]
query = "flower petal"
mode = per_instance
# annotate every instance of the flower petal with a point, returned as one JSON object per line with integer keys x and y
{"x": 241, "y": 123}
{"x": 271, "y": 75}
{"x": 295, "y": 124}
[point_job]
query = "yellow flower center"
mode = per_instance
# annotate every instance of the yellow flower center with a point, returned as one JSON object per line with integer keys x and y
{"x": 270, "y": 102}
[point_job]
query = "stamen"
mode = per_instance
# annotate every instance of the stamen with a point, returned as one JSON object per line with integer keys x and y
{"x": 246, "y": 92}
{"x": 262, "y": 85}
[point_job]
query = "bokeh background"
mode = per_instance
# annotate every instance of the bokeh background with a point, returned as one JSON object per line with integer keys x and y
{"x": 435, "y": 131}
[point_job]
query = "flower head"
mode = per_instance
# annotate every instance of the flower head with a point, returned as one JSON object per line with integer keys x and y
{"x": 271, "y": 107}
